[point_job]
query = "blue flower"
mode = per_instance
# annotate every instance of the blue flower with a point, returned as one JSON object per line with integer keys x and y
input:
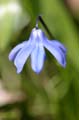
{"x": 34, "y": 47}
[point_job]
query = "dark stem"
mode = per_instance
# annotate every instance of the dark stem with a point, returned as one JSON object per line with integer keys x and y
{"x": 39, "y": 18}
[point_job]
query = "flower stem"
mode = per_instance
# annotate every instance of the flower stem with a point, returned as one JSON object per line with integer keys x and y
{"x": 39, "y": 18}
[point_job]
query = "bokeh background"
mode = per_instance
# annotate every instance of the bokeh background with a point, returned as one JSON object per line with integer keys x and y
{"x": 54, "y": 93}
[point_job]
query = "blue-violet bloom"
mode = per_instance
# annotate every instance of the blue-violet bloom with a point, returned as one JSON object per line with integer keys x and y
{"x": 34, "y": 47}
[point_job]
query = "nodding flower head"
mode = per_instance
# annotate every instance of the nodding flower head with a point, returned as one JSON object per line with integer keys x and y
{"x": 34, "y": 48}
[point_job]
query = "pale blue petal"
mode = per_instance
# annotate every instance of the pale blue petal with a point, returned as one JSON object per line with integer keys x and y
{"x": 37, "y": 58}
{"x": 15, "y": 50}
{"x": 37, "y": 34}
{"x": 58, "y": 44}
{"x": 56, "y": 52}
{"x": 22, "y": 57}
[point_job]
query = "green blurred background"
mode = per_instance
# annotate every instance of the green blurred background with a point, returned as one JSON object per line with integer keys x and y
{"x": 54, "y": 93}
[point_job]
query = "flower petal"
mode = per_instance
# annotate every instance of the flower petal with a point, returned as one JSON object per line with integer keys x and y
{"x": 15, "y": 50}
{"x": 22, "y": 57}
{"x": 37, "y": 58}
{"x": 58, "y": 44}
{"x": 56, "y": 52}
